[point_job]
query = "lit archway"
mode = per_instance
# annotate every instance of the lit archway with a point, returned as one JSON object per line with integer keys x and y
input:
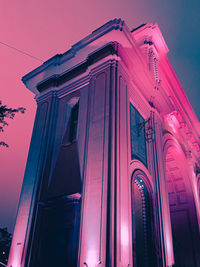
{"x": 182, "y": 206}
{"x": 144, "y": 236}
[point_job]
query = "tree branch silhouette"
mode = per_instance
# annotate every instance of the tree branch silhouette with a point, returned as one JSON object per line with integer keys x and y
{"x": 7, "y": 113}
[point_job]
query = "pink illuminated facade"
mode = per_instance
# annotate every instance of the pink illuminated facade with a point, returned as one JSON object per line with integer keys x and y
{"x": 113, "y": 173}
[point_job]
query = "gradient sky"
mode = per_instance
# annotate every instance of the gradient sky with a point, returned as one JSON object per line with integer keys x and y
{"x": 44, "y": 28}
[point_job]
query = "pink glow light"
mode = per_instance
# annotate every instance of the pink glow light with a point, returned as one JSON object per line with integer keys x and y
{"x": 92, "y": 258}
{"x": 173, "y": 122}
{"x": 124, "y": 236}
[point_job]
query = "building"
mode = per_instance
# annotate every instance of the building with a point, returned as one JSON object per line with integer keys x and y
{"x": 113, "y": 173}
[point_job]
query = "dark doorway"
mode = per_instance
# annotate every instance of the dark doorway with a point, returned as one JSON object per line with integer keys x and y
{"x": 56, "y": 235}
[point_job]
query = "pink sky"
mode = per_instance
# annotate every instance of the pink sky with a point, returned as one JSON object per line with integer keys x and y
{"x": 45, "y": 28}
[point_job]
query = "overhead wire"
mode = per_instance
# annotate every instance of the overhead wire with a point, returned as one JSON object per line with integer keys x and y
{"x": 21, "y": 51}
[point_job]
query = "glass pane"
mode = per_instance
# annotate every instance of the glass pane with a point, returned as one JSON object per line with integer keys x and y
{"x": 137, "y": 131}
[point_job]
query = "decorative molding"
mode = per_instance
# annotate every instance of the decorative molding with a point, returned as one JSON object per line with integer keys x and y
{"x": 44, "y": 97}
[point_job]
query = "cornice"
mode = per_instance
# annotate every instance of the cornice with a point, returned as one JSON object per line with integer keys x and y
{"x": 77, "y": 83}
{"x": 57, "y": 80}
{"x": 115, "y": 24}
{"x": 179, "y": 98}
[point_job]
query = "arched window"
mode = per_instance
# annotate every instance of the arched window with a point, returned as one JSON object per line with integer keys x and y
{"x": 144, "y": 249}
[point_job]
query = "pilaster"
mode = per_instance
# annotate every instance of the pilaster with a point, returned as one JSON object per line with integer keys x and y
{"x": 34, "y": 169}
{"x": 162, "y": 202}
{"x": 92, "y": 250}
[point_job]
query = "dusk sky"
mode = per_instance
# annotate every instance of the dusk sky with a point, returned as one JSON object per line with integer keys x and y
{"x": 44, "y": 28}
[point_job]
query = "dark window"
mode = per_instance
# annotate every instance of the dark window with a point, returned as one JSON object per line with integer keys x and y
{"x": 137, "y": 132}
{"x": 71, "y": 129}
{"x": 74, "y": 122}
{"x": 66, "y": 178}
